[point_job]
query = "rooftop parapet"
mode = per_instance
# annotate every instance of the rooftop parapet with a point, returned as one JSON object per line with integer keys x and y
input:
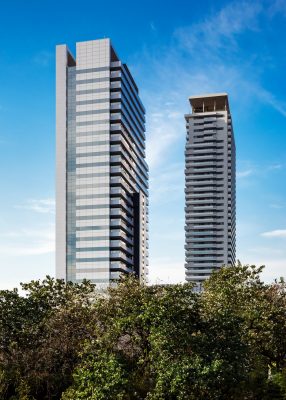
{"x": 209, "y": 102}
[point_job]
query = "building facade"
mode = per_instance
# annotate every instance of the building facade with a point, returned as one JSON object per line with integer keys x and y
{"x": 210, "y": 187}
{"x": 101, "y": 172}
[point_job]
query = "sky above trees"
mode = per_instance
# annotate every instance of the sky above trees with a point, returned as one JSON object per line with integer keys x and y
{"x": 174, "y": 50}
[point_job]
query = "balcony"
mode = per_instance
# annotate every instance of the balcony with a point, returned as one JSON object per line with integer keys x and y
{"x": 119, "y": 223}
{"x": 115, "y": 254}
{"x": 119, "y": 234}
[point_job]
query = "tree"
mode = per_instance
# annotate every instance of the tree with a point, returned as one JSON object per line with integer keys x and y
{"x": 165, "y": 342}
{"x": 40, "y": 337}
{"x": 259, "y": 310}
{"x": 159, "y": 343}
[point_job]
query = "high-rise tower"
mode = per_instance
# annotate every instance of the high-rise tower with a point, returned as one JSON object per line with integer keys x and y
{"x": 210, "y": 187}
{"x": 102, "y": 175}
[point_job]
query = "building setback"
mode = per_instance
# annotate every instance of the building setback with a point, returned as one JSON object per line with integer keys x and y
{"x": 102, "y": 175}
{"x": 210, "y": 212}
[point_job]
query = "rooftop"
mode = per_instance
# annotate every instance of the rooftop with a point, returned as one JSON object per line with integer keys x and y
{"x": 209, "y": 102}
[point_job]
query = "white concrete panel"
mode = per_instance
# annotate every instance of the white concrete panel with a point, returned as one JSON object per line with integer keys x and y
{"x": 102, "y": 232}
{"x": 93, "y": 75}
{"x": 92, "y": 159}
{"x": 61, "y": 89}
{"x": 94, "y": 106}
{"x": 92, "y": 117}
{"x": 96, "y": 147}
{"x": 93, "y": 96}
{"x": 93, "y": 128}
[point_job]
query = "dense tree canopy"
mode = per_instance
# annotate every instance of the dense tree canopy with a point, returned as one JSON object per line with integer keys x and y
{"x": 64, "y": 341}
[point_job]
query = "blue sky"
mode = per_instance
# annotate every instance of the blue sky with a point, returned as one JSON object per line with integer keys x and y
{"x": 175, "y": 49}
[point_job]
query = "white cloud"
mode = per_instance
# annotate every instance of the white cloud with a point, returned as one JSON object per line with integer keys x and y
{"x": 269, "y": 98}
{"x": 43, "y": 206}
{"x": 167, "y": 185}
{"x": 219, "y": 31}
{"x": 275, "y": 267}
{"x": 275, "y": 166}
{"x": 244, "y": 174}
{"x": 29, "y": 250}
{"x": 279, "y": 233}
{"x": 204, "y": 57}
{"x": 152, "y": 26}
{"x": 277, "y": 7}
{"x": 28, "y": 242}
{"x": 162, "y": 270}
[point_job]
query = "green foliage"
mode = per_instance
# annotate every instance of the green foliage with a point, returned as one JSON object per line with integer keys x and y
{"x": 61, "y": 341}
{"x": 40, "y": 336}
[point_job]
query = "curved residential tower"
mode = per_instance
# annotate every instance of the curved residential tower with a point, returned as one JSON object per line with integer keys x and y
{"x": 210, "y": 187}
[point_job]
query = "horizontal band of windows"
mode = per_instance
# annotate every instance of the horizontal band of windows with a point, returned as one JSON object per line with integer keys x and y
{"x": 85, "y": 270}
{"x": 91, "y": 86}
{"x": 92, "y": 228}
{"x": 90, "y": 91}
{"x": 93, "y": 196}
{"x": 92, "y": 234}
{"x": 91, "y": 112}
{"x": 103, "y": 126}
{"x": 90, "y": 239}
{"x": 93, "y": 175}
{"x": 92, "y": 259}
{"x": 92, "y": 217}
{"x": 82, "y": 202}
{"x": 93, "y": 143}
{"x": 89, "y": 102}
{"x": 92, "y": 75}
{"x": 93, "y": 154}
{"x": 92, "y": 96}
{"x": 92, "y": 207}
{"x": 96, "y": 133}
{"x": 91, "y": 164}
{"x": 104, "y": 253}
{"x": 86, "y": 70}
{"x": 92, "y": 249}
{"x": 92, "y": 185}
{"x": 88, "y": 123}
{"x": 98, "y": 222}
{"x": 98, "y": 117}
{"x": 94, "y": 80}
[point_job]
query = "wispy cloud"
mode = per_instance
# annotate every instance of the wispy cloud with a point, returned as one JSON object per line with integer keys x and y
{"x": 43, "y": 206}
{"x": 278, "y": 233}
{"x": 168, "y": 184}
{"x": 277, "y": 7}
{"x": 269, "y": 98}
{"x": 43, "y": 58}
{"x": 152, "y": 26}
{"x": 207, "y": 56}
{"x": 218, "y": 32}
{"x": 277, "y": 206}
{"x": 244, "y": 174}
{"x": 28, "y": 242}
{"x": 275, "y": 167}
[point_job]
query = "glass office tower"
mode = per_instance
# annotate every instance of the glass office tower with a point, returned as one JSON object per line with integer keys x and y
{"x": 102, "y": 175}
{"x": 210, "y": 187}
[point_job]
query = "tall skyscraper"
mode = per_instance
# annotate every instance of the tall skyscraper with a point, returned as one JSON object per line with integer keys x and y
{"x": 102, "y": 175}
{"x": 210, "y": 187}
